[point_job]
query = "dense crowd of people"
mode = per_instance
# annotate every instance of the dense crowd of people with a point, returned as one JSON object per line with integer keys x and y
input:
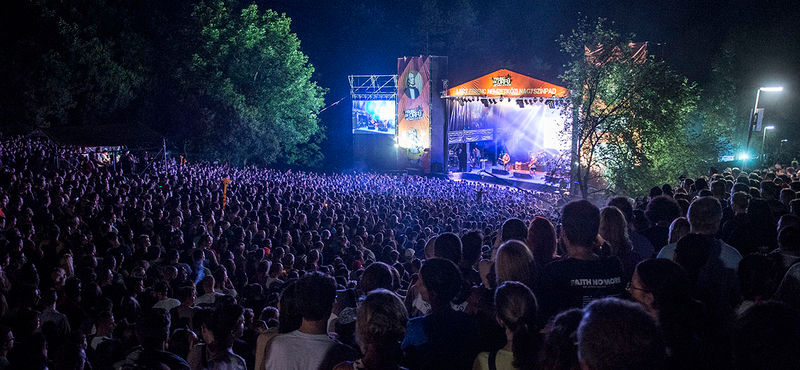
{"x": 153, "y": 265}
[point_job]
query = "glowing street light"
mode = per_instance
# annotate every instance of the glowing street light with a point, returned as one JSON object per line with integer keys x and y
{"x": 755, "y": 109}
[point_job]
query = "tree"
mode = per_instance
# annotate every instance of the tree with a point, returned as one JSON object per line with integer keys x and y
{"x": 259, "y": 102}
{"x": 628, "y": 114}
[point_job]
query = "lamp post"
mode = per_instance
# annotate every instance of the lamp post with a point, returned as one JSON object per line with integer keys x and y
{"x": 755, "y": 109}
{"x": 763, "y": 139}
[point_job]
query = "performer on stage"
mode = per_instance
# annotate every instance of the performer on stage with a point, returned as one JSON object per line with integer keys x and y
{"x": 505, "y": 159}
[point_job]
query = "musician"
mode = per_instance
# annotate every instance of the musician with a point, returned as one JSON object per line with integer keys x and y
{"x": 505, "y": 160}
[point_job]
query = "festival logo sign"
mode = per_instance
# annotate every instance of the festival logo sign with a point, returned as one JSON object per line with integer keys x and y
{"x": 413, "y": 103}
{"x": 508, "y": 84}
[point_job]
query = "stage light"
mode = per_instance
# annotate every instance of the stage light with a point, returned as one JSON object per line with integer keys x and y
{"x": 485, "y": 102}
{"x": 744, "y": 156}
{"x": 521, "y": 103}
{"x": 396, "y": 145}
{"x": 772, "y": 88}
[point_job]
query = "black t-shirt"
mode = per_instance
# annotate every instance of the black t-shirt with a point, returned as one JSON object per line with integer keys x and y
{"x": 573, "y": 283}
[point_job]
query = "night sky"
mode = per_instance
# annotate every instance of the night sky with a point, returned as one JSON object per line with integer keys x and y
{"x": 366, "y": 37}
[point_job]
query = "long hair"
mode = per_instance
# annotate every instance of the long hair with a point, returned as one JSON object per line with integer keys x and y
{"x": 514, "y": 262}
{"x": 614, "y": 230}
{"x": 542, "y": 240}
{"x": 516, "y": 309}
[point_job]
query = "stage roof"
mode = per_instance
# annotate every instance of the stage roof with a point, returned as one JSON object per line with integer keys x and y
{"x": 508, "y": 84}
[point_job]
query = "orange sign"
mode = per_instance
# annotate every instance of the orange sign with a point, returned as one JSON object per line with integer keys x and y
{"x": 508, "y": 84}
{"x": 413, "y": 103}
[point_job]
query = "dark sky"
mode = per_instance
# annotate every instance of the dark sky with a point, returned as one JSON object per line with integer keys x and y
{"x": 343, "y": 37}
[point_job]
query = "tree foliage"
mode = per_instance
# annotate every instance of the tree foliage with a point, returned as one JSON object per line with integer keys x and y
{"x": 628, "y": 114}
{"x": 224, "y": 81}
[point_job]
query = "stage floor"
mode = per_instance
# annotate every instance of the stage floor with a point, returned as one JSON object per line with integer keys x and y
{"x": 497, "y": 176}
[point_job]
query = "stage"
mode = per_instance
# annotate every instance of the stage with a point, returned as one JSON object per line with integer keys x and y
{"x": 540, "y": 181}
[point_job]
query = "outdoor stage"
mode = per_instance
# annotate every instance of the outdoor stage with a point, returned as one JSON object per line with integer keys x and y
{"x": 540, "y": 181}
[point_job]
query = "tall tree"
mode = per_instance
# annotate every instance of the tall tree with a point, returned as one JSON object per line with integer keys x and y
{"x": 628, "y": 113}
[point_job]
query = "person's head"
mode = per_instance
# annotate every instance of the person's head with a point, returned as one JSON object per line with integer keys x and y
{"x": 225, "y": 325}
{"x": 692, "y": 253}
{"x": 514, "y": 229}
{"x": 679, "y": 228}
{"x": 660, "y": 285}
{"x": 704, "y": 215}
{"x": 471, "y": 243}
{"x": 788, "y": 220}
{"x": 558, "y": 348}
{"x": 789, "y": 239}
{"x": 152, "y": 328}
{"x": 448, "y": 246}
{"x": 769, "y": 190}
{"x": 516, "y": 312}
{"x": 662, "y": 210}
{"x": 757, "y": 277}
{"x": 740, "y": 201}
{"x": 290, "y": 318}
{"x": 316, "y": 293}
{"x": 614, "y": 229}
{"x": 580, "y": 223}
{"x": 440, "y": 282}
{"x": 7, "y": 337}
{"x": 105, "y": 323}
{"x": 514, "y": 262}
{"x": 616, "y": 334}
{"x": 377, "y": 275}
{"x": 542, "y": 240}
{"x": 381, "y": 322}
{"x": 186, "y": 295}
{"x": 766, "y": 336}
{"x": 70, "y": 357}
{"x": 624, "y": 205}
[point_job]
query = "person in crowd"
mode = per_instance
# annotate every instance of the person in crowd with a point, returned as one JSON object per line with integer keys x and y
{"x": 219, "y": 331}
{"x": 679, "y": 228}
{"x": 660, "y": 212}
{"x": 516, "y": 313}
{"x": 445, "y": 338}
{"x": 692, "y": 335}
{"x": 765, "y": 337}
{"x": 514, "y": 262}
{"x": 614, "y": 233}
{"x": 616, "y": 334}
{"x": 641, "y": 245}
{"x": 309, "y": 347}
{"x": 380, "y": 328}
{"x": 152, "y": 333}
{"x": 542, "y": 241}
{"x": 583, "y": 276}
{"x": 8, "y": 344}
{"x": 558, "y": 349}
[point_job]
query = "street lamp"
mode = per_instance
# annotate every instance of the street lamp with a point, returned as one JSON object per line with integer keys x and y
{"x": 764, "y": 138}
{"x": 755, "y": 109}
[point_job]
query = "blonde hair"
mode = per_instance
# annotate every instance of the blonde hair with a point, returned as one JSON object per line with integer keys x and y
{"x": 614, "y": 229}
{"x": 381, "y": 319}
{"x": 514, "y": 263}
{"x": 679, "y": 228}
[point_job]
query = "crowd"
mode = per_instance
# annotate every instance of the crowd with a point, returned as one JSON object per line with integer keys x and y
{"x": 153, "y": 265}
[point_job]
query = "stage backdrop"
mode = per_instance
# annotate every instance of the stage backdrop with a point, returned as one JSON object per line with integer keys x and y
{"x": 508, "y": 83}
{"x": 413, "y": 103}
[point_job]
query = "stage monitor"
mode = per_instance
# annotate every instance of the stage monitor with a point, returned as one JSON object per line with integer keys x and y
{"x": 374, "y": 117}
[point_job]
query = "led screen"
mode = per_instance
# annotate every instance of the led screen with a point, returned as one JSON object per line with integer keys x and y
{"x": 374, "y": 117}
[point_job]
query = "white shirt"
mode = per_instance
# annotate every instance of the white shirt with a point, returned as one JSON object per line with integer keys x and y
{"x": 728, "y": 255}
{"x": 299, "y": 351}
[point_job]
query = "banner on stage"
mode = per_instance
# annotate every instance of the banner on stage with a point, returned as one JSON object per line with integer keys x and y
{"x": 413, "y": 102}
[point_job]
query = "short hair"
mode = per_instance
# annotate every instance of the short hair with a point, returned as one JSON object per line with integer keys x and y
{"x": 766, "y": 337}
{"x": 616, "y": 334}
{"x": 471, "y": 244}
{"x": 704, "y": 215}
{"x": 741, "y": 200}
{"x": 514, "y": 229}
{"x": 789, "y": 238}
{"x": 152, "y": 328}
{"x": 377, "y": 275}
{"x": 316, "y": 293}
{"x": 184, "y": 293}
{"x": 442, "y": 279}
{"x": 448, "y": 246}
{"x": 580, "y": 222}
{"x": 381, "y": 319}
{"x": 662, "y": 208}
{"x": 768, "y": 189}
{"x": 224, "y": 321}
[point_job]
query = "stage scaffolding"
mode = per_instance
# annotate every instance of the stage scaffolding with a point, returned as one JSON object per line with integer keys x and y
{"x": 373, "y": 87}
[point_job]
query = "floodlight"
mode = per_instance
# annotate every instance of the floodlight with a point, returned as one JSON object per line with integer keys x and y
{"x": 769, "y": 128}
{"x": 771, "y": 88}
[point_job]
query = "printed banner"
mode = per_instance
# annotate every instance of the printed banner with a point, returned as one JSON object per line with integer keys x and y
{"x": 508, "y": 83}
{"x": 413, "y": 103}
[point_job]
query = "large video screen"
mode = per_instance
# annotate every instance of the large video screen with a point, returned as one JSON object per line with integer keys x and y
{"x": 374, "y": 117}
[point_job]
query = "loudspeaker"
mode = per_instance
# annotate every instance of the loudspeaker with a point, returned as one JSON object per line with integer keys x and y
{"x": 522, "y": 175}
{"x": 497, "y": 171}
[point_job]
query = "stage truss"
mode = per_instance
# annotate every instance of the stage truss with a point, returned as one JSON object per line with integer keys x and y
{"x": 373, "y": 87}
